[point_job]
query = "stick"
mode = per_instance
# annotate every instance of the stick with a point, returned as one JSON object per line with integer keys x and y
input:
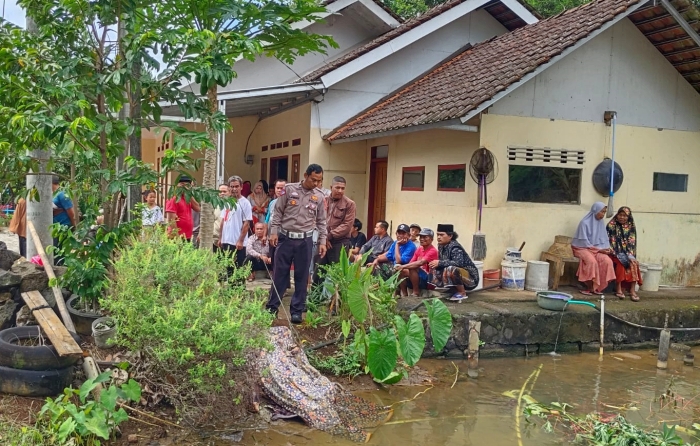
{"x": 518, "y": 434}
{"x": 67, "y": 321}
{"x": 456, "y": 375}
{"x": 91, "y": 371}
{"x": 408, "y": 401}
{"x": 149, "y": 415}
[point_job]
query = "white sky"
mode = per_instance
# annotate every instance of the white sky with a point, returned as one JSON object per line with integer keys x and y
{"x": 13, "y": 13}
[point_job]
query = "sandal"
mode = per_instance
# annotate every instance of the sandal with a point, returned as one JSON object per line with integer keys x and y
{"x": 251, "y": 278}
{"x": 457, "y": 297}
{"x": 586, "y": 292}
{"x": 620, "y": 295}
{"x": 634, "y": 298}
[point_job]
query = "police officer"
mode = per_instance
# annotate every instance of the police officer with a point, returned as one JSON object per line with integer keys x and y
{"x": 297, "y": 213}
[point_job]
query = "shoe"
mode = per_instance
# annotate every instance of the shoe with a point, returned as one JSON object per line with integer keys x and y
{"x": 296, "y": 319}
{"x": 456, "y": 297}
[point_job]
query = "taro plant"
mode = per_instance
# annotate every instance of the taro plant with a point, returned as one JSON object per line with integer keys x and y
{"x": 382, "y": 337}
{"x": 89, "y": 420}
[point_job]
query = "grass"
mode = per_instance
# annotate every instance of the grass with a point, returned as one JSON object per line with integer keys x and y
{"x": 13, "y": 434}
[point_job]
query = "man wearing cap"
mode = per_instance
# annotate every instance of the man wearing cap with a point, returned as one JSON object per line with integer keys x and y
{"x": 415, "y": 230}
{"x": 340, "y": 213}
{"x": 178, "y": 211}
{"x": 399, "y": 253}
{"x": 297, "y": 213}
{"x": 416, "y": 272}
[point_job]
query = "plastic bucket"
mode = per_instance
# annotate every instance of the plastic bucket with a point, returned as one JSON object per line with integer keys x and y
{"x": 492, "y": 274}
{"x": 513, "y": 275}
{"x": 652, "y": 277}
{"x": 537, "y": 276}
{"x": 103, "y": 334}
{"x": 513, "y": 253}
{"x": 480, "y": 266}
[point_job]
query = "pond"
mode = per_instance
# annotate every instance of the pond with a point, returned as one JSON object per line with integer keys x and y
{"x": 475, "y": 411}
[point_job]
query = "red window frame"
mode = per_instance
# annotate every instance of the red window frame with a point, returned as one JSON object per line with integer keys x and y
{"x": 442, "y": 167}
{"x": 413, "y": 169}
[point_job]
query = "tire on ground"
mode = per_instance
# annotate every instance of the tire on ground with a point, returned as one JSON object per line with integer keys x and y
{"x": 35, "y": 383}
{"x": 43, "y": 357}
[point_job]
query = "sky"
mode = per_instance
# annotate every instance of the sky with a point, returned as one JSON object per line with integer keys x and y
{"x": 13, "y": 13}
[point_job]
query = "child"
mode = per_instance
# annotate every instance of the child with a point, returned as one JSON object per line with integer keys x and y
{"x": 152, "y": 213}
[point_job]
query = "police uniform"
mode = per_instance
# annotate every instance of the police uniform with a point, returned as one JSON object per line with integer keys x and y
{"x": 297, "y": 213}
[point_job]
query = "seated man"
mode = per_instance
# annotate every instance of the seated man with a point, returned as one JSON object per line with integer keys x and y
{"x": 454, "y": 269}
{"x": 415, "y": 274}
{"x": 378, "y": 244}
{"x": 258, "y": 251}
{"x": 399, "y": 253}
{"x": 415, "y": 230}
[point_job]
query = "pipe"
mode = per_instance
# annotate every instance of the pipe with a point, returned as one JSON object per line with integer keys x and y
{"x": 602, "y": 323}
{"x": 664, "y": 343}
{"x": 610, "y": 211}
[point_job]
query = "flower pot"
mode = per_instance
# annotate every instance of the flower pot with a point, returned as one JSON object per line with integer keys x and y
{"x": 81, "y": 319}
{"x": 104, "y": 329}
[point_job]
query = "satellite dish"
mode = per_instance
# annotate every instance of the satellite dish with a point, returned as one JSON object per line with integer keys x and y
{"x": 601, "y": 177}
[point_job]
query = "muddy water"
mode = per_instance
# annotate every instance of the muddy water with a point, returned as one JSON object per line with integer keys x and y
{"x": 474, "y": 412}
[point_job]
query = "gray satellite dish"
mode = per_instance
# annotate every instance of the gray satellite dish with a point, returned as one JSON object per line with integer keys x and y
{"x": 601, "y": 177}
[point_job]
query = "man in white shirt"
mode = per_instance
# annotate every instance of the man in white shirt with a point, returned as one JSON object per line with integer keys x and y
{"x": 236, "y": 222}
{"x": 224, "y": 192}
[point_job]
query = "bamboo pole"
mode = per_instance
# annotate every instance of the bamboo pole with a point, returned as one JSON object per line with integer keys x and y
{"x": 67, "y": 321}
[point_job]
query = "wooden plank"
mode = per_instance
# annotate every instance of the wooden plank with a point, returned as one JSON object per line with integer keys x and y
{"x": 48, "y": 267}
{"x": 53, "y": 328}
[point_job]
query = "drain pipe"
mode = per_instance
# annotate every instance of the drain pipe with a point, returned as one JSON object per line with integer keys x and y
{"x": 602, "y": 324}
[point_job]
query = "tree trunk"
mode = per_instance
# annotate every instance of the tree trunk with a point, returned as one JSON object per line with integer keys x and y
{"x": 39, "y": 212}
{"x": 206, "y": 216}
{"x": 135, "y": 138}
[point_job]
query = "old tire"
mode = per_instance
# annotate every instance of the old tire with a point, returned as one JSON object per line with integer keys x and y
{"x": 21, "y": 357}
{"x": 35, "y": 383}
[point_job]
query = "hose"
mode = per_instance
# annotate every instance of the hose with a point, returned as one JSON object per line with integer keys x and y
{"x": 645, "y": 327}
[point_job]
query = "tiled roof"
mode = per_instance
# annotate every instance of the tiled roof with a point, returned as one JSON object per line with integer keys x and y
{"x": 384, "y": 38}
{"x": 465, "y": 81}
{"x": 378, "y": 2}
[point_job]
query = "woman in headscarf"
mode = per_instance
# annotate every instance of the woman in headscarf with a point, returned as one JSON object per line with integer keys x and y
{"x": 592, "y": 246}
{"x": 623, "y": 241}
{"x": 259, "y": 200}
{"x": 454, "y": 268}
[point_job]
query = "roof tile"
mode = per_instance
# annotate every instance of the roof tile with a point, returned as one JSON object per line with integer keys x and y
{"x": 463, "y": 82}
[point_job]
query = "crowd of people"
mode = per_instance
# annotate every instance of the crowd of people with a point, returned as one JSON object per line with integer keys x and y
{"x": 302, "y": 227}
{"x": 608, "y": 252}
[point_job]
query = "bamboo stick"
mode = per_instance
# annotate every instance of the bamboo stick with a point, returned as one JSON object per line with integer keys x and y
{"x": 67, "y": 321}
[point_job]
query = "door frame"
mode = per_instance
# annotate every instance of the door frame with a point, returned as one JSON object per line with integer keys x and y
{"x": 371, "y": 218}
{"x": 276, "y": 158}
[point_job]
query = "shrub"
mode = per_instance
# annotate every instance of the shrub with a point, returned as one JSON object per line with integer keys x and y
{"x": 191, "y": 328}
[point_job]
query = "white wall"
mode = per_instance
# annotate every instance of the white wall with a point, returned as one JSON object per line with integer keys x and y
{"x": 618, "y": 70}
{"x": 352, "y": 95}
{"x": 267, "y": 71}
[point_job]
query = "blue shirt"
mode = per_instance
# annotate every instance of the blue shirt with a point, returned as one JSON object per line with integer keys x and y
{"x": 270, "y": 211}
{"x": 60, "y": 201}
{"x": 406, "y": 250}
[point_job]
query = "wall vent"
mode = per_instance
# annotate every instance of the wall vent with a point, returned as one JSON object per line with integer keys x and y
{"x": 546, "y": 155}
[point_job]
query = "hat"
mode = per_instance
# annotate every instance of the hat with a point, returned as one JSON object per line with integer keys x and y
{"x": 403, "y": 228}
{"x": 415, "y": 225}
{"x": 427, "y": 231}
{"x": 185, "y": 179}
{"x": 446, "y": 228}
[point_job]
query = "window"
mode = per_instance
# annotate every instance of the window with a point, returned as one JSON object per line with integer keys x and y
{"x": 536, "y": 184}
{"x": 413, "y": 178}
{"x": 452, "y": 177}
{"x": 670, "y": 182}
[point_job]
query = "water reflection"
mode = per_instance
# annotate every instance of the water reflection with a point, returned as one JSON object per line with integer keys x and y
{"x": 475, "y": 412}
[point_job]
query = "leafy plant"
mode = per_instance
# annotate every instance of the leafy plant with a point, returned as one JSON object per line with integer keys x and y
{"x": 88, "y": 421}
{"x": 192, "y": 329}
{"x": 345, "y": 362}
{"x": 382, "y": 337}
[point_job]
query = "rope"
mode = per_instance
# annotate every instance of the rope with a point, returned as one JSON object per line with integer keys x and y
{"x": 293, "y": 329}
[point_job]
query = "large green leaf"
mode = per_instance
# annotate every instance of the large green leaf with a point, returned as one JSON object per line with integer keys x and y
{"x": 357, "y": 302}
{"x": 411, "y": 338}
{"x": 132, "y": 390}
{"x": 66, "y": 429}
{"x": 382, "y": 353}
{"x": 98, "y": 426}
{"x": 440, "y": 322}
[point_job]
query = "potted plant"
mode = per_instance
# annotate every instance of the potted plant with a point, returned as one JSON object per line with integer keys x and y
{"x": 104, "y": 329}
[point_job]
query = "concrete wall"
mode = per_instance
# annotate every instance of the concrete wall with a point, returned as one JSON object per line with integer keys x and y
{"x": 618, "y": 70}
{"x": 666, "y": 221}
{"x": 352, "y": 95}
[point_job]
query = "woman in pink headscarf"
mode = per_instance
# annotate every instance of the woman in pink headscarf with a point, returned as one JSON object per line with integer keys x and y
{"x": 592, "y": 246}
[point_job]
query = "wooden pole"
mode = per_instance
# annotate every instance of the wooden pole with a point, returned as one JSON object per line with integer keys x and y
{"x": 473, "y": 361}
{"x": 67, "y": 321}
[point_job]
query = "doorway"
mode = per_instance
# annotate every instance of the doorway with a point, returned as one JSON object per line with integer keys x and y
{"x": 279, "y": 169}
{"x": 377, "y": 185}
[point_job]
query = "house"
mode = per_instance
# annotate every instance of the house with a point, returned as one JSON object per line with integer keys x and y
{"x": 401, "y": 119}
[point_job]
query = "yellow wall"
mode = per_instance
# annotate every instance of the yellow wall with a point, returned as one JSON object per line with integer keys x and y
{"x": 348, "y": 160}
{"x": 668, "y": 223}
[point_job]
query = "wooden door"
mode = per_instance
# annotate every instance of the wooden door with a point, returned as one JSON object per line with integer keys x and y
{"x": 263, "y": 168}
{"x": 296, "y": 167}
{"x": 377, "y": 192}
